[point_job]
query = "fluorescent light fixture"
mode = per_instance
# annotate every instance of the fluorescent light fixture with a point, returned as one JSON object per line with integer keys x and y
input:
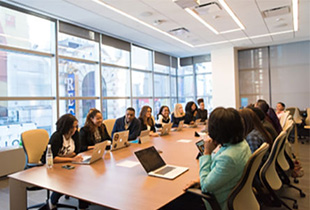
{"x": 245, "y": 38}
{"x": 295, "y": 14}
{"x": 192, "y": 13}
{"x": 230, "y": 31}
{"x": 141, "y": 22}
{"x": 232, "y": 14}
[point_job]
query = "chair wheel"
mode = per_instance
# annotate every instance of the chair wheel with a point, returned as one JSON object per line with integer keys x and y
{"x": 295, "y": 206}
{"x": 302, "y": 194}
{"x": 67, "y": 197}
{"x": 296, "y": 181}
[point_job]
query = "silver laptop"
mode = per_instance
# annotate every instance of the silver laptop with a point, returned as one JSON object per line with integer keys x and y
{"x": 197, "y": 121}
{"x": 165, "y": 129}
{"x": 120, "y": 140}
{"x": 154, "y": 165}
{"x": 180, "y": 126}
{"x": 144, "y": 136}
{"x": 96, "y": 155}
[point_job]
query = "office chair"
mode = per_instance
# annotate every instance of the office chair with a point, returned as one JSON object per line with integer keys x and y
{"x": 307, "y": 120}
{"x": 242, "y": 196}
{"x": 270, "y": 180}
{"x": 35, "y": 143}
{"x": 284, "y": 163}
{"x": 109, "y": 123}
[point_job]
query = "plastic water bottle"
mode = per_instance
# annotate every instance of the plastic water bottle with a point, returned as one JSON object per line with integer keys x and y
{"x": 49, "y": 157}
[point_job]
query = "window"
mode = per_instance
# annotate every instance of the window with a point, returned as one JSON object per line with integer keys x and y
{"x": 27, "y": 75}
{"x": 142, "y": 84}
{"x": 115, "y": 108}
{"x": 26, "y": 31}
{"x": 138, "y": 103}
{"x": 141, "y": 58}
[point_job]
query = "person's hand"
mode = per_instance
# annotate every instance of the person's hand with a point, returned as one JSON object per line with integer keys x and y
{"x": 195, "y": 113}
{"x": 192, "y": 123}
{"x": 90, "y": 147}
{"x": 154, "y": 134}
{"x": 192, "y": 184}
{"x": 77, "y": 158}
{"x": 209, "y": 145}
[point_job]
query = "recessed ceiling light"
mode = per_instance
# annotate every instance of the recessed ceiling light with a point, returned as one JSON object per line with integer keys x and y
{"x": 146, "y": 14}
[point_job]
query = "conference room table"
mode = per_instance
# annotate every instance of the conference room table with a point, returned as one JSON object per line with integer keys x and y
{"x": 117, "y": 180}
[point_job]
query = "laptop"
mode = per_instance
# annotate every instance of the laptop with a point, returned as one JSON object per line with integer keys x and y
{"x": 96, "y": 155}
{"x": 144, "y": 136}
{"x": 165, "y": 129}
{"x": 154, "y": 165}
{"x": 197, "y": 121}
{"x": 120, "y": 140}
{"x": 180, "y": 126}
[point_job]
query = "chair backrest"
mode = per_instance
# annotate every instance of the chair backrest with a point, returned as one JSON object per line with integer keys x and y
{"x": 284, "y": 118}
{"x": 242, "y": 196}
{"x": 34, "y": 143}
{"x": 109, "y": 123}
{"x": 295, "y": 112}
{"x": 281, "y": 159}
{"x": 307, "y": 120}
{"x": 268, "y": 174}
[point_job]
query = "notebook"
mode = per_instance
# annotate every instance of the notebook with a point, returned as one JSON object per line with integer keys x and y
{"x": 120, "y": 140}
{"x": 165, "y": 129}
{"x": 180, "y": 126}
{"x": 144, "y": 136}
{"x": 96, "y": 155}
{"x": 154, "y": 165}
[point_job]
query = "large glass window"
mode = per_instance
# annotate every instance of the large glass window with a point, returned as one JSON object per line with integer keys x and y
{"x": 77, "y": 47}
{"x": 115, "y": 108}
{"x": 25, "y": 31}
{"x": 115, "y": 82}
{"x": 19, "y": 116}
{"x": 138, "y": 103}
{"x": 112, "y": 55}
{"x": 161, "y": 85}
{"x": 26, "y": 75}
{"x": 141, "y": 58}
{"x": 142, "y": 84}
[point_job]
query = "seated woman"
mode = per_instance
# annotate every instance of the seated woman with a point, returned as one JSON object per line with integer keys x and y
{"x": 178, "y": 115}
{"x": 190, "y": 113}
{"x": 94, "y": 131}
{"x": 254, "y": 131}
{"x": 65, "y": 145}
{"x": 163, "y": 116}
{"x": 202, "y": 113}
{"x": 221, "y": 171}
{"x": 270, "y": 114}
{"x": 146, "y": 119}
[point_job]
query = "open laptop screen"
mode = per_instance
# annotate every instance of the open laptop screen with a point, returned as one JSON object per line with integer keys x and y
{"x": 150, "y": 159}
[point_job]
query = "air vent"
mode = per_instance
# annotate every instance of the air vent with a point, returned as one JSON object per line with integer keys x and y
{"x": 187, "y": 3}
{"x": 276, "y": 11}
{"x": 179, "y": 31}
{"x": 209, "y": 8}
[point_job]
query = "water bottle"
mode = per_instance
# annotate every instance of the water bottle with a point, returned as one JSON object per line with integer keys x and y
{"x": 49, "y": 157}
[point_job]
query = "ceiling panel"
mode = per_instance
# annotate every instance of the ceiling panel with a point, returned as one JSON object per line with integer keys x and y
{"x": 91, "y": 15}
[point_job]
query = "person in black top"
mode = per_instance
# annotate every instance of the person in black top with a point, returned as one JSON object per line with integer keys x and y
{"x": 202, "y": 113}
{"x": 146, "y": 119}
{"x": 190, "y": 113}
{"x": 128, "y": 122}
{"x": 94, "y": 131}
{"x": 177, "y": 115}
{"x": 65, "y": 145}
{"x": 163, "y": 116}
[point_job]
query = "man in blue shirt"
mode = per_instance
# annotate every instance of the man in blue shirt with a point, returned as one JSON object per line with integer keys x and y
{"x": 128, "y": 122}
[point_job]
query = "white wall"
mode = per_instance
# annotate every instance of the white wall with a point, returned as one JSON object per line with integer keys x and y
{"x": 225, "y": 75}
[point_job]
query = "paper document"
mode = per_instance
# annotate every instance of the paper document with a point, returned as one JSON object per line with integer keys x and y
{"x": 184, "y": 140}
{"x": 128, "y": 163}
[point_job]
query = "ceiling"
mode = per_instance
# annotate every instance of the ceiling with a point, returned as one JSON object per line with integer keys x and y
{"x": 147, "y": 22}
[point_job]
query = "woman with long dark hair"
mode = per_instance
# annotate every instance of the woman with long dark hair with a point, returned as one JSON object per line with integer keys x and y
{"x": 94, "y": 131}
{"x": 146, "y": 119}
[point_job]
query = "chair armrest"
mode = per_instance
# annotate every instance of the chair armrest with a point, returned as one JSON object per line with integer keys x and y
{"x": 209, "y": 197}
{"x": 30, "y": 165}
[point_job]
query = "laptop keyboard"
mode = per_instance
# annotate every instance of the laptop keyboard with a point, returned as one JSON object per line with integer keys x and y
{"x": 165, "y": 170}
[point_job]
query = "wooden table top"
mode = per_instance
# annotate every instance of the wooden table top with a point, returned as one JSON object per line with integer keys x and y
{"x": 107, "y": 184}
